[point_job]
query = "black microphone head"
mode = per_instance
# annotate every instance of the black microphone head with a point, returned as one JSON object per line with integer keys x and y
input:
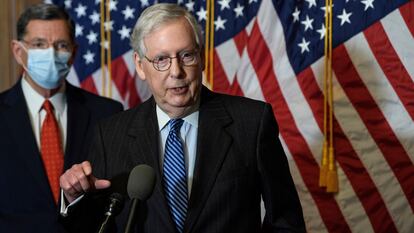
{"x": 141, "y": 182}
{"x": 116, "y": 204}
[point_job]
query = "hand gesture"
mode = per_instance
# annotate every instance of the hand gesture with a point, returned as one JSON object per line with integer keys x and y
{"x": 79, "y": 179}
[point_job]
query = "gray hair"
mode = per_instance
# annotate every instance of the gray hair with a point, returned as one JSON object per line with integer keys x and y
{"x": 157, "y": 15}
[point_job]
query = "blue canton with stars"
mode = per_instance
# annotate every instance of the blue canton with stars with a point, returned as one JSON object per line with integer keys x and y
{"x": 303, "y": 24}
{"x": 231, "y": 16}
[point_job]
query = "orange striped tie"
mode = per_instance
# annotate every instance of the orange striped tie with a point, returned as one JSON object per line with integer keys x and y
{"x": 51, "y": 149}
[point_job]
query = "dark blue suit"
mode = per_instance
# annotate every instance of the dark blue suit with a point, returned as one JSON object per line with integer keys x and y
{"x": 26, "y": 201}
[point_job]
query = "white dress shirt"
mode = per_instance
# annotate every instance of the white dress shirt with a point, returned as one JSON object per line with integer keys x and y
{"x": 37, "y": 115}
{"x": 188, "y": 134}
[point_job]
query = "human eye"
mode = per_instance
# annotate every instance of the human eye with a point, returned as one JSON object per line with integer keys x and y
{"x": 162, "y": 60}
{"x": 187, "y": 57}
{"x": 38, "y": 44}
{"x": 62, "y": 46}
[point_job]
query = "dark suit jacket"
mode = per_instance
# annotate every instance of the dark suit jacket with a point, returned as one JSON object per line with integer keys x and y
{"x": 239, "y": 158}
{"x": 26, "y": 202}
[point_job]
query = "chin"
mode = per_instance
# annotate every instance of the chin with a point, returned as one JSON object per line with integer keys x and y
{"x": 180, "y": 104}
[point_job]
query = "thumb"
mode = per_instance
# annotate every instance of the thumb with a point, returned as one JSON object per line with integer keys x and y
{"x": 102, "y": 184}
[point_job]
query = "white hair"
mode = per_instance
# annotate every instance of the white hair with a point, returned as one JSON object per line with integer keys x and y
{"x": 156, "y": 16}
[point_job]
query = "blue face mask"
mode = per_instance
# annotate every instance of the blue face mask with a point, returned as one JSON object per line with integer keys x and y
{"x": 46, "y": 67}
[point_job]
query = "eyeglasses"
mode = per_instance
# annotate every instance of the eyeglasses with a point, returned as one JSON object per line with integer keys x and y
{"x": 163, "y": 63}
{"x": 61, "y": 46}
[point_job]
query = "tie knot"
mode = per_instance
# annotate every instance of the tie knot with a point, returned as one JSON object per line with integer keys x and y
{"x": 47, "y": 106}
{"x": 175, "y": 125}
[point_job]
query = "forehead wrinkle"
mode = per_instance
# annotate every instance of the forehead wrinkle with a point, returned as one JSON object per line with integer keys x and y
{"x": 165, "y": 38}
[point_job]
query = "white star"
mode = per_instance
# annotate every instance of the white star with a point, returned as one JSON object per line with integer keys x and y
{"x": 308, "y": 23}
{"x": 95, "y": 17}
{"x": 219, "y": 23}
{"x": 128, "y": 13}
{"x": 368, "y": 4}
{"x": 190, "y": 6}
{"x": 112, "y": 5}
{"x": 109, "y": 25}
{"x": 144, "y": 3}
{"x": 296, "y": 15}
{"x": 97, "y": 2}
{"x": 124, "y": 32}
{"x": 89, "y": 57}
{"x": 322, "y": 31}
{"x": 68, "y": 4}
{"x": 80, "y": 10}
{"x": 238, "y": 10}
{"x": 304, "y": 45}
{"x": 224, "y": 4}
{"x": 344, "y": 17}
{"x": 311, "y": 3}
{"x": 202, "y": 14}
{"x": 78, "y": 30}
{"x": 92, "y": 37}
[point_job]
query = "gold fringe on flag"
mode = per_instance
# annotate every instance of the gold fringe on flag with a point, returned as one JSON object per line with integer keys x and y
{"x": 209, "y": 43}
{"x": 328, "y": 176}
{"x": 103, "y": 34}
{"x": 106, "y": 53}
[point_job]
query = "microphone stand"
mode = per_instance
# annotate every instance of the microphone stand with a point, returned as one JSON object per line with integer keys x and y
{"x": 104, "y": 224}
{"x": 131, "y": 216}
{"x": 115, "y": 206}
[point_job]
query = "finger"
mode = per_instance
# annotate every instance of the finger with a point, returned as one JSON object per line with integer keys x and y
{"x": 102, "y": 184}
{"x": 75, "y": 182}
{"x": 64, "y": 184}
{"x": 69, "y": 191}
{"x": 82, "y": 181}
{"x": 78, "y": 176}
{"x": 87, "y": 168}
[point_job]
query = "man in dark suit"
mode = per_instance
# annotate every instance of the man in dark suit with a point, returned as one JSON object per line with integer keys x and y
{"x": 33, "y": 155}
{"x": 230, "y": 153}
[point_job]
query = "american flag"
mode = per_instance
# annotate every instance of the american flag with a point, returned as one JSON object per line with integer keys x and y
{"x": 272, "y": 50}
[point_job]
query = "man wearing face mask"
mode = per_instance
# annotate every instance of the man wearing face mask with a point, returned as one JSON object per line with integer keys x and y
{"x": 45, "y": 123}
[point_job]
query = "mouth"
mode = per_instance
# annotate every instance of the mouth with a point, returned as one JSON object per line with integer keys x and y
{"x": 179, "y": 90}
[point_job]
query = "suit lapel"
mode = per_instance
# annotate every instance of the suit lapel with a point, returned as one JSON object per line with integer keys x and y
{"x": 17, "y": 118}
{"x": 77, "y": 124}
{"x": 145, "y": 130}
{"x": 212, "y": 144}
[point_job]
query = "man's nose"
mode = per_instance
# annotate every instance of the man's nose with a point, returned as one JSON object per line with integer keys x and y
{"x": 176, "y": 68}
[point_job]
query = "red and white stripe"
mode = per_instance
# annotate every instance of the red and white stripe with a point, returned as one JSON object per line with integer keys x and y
{"x": 373, "y": 115}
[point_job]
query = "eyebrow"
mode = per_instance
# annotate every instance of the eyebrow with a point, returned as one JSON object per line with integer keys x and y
{"x": 163, "y": 53}
{"x": 37, "y": 39}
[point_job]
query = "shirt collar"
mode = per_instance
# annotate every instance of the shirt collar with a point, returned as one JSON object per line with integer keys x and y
{"x": 36, "y": 100}
{"x": 163, "y": 118}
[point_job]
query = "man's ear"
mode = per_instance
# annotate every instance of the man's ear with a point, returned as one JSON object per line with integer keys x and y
{"x": 138, "y": 66}
{"x": 18, "y": 52}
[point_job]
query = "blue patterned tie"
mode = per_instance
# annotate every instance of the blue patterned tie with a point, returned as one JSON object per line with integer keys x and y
{"x": 175, "y": 179}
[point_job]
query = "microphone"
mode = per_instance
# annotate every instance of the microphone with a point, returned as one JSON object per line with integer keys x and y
{"x": 141, "y": 183}
{"x": 115, "y": 206}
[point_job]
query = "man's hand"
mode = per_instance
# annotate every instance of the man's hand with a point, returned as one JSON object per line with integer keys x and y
{"x": 79, "y": 179}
